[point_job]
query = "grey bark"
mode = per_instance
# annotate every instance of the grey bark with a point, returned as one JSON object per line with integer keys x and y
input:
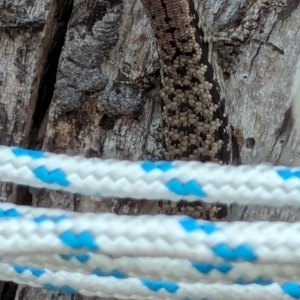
{"x": 85, "y": 48}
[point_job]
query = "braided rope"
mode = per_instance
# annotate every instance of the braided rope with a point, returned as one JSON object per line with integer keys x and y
{"x": 178, "y": 237}
{"x": 91, "y": 265}
{"x": 153, "y": 267}
{"x": 161, "y": 268}
{"x": 149, "y": 257}
{"x": 257, "y": 185}
{"x": 135, "y": 288}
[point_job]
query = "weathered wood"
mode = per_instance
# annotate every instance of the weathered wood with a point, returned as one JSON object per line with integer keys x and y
{"x": 259, "y": 101}
{"x": 94, "y": 113}
{"x": 28, "y": 52}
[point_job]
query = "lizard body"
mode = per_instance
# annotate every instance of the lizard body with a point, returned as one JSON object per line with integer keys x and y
{"x": 193, "y": 110}
{"x": 194, "y": 117}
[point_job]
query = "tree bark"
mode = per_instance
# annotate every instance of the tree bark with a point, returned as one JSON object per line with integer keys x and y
{"x": 73, "y": 80}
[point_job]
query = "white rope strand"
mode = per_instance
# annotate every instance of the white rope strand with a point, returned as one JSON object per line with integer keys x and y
{"x": 135, "y": 288}
{"x": 150, "y": 257}
{"x": 162, "y": 268}
{"x": 149, "y": 236}
{"x": 258, "y": 185}
{"x": 151, "y": 267}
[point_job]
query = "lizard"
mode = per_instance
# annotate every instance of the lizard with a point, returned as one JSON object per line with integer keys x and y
{"x": 195, "y": 122}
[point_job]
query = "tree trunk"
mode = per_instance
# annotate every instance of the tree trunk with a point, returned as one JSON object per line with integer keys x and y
{"x": 74, "y": 78}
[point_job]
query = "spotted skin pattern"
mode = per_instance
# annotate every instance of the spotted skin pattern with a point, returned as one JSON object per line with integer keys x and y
{"x": 194, "y": 118}
{"x": 195, "y": 122}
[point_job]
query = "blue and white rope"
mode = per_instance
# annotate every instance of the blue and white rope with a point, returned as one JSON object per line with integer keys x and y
{"x": 149, "y": 257}
{"x": 93, "y": 273}
{"x": 140, "y": 288}
{"x": 152, "y": 267}
{"x": 178, "y": 237}
{"x": 161, "y": 268}
{"x": 259, "y": 185}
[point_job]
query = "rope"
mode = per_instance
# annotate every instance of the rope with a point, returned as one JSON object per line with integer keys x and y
{"x": 135, "y": 288}
{"x": 149, "y": 257}
{"x": 257, "y": 185}
{"x": 178, "y": 237}
{"x": 161, "y": 268}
